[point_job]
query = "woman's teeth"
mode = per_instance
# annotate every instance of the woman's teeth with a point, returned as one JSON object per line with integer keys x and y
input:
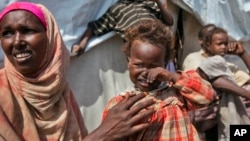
{"x": 22, "y": 55}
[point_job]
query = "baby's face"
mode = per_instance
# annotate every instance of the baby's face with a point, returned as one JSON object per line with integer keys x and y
{"x": 145, "y": 56}
{"x": 218, "y": 44}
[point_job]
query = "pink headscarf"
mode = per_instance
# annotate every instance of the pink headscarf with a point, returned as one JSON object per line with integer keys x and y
{"x": 34, "y": 9}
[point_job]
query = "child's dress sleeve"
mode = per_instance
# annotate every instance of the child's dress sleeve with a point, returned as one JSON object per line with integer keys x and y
{"x": 197, "y": 92}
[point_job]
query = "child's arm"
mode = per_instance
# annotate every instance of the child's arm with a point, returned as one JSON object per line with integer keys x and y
{"x": 80, "y": 48}
{"x": 197, "y": 91}
{"x": 167, "y": 17}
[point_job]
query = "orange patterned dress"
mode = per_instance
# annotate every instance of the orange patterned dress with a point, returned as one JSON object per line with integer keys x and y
{"x": 171, "y": 121}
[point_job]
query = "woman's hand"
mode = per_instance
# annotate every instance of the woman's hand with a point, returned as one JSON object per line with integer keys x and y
{"x": 122, "y": 121}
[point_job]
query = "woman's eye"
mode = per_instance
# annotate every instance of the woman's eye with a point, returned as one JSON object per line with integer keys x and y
{"x": 6, "y": 34}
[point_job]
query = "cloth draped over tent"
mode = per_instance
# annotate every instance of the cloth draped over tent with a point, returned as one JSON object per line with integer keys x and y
{"x": 232, "y": 15}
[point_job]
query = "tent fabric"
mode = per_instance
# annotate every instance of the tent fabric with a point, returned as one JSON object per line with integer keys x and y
{"x": 72, "y": 16}
{"x": 232, "y": 15}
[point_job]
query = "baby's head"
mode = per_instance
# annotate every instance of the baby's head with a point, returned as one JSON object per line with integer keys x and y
{"x": 148, "y": 45}
{"x": 203, "y": 32}
{"x": 216, "y": 42}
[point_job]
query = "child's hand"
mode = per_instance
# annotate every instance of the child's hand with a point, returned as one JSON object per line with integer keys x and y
{"x": 77, "y": 50}
{"x": 235, "y": 48}
{"x": 159, "y": 73}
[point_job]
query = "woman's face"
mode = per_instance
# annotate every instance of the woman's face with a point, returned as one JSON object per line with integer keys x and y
{"x": 145, "y": 56}
{"x": 24, "y": 41}
{"x": 218, "y": 45}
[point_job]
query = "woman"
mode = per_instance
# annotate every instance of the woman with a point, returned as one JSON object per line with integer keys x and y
{"x": 36, "y": 102}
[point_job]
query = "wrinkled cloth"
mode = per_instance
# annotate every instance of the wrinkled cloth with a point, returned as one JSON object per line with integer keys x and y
{"x": 41, "y": 108}
{"x": 231, "y": 109}
{"x": 171, "y": 120}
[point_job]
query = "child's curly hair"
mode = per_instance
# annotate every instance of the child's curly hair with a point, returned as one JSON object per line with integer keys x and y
{"x": 152, "y": 31}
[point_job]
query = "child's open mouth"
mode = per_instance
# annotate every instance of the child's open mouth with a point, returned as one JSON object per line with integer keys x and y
{"x": 143, "y": 83}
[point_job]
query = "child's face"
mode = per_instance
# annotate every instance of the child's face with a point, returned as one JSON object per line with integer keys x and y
{"x": 144, "y": 56}
{"x": 218, "y": 45}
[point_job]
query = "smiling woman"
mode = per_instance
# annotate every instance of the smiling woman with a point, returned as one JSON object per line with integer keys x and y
{"x": 24, "y": 42}
{"x": 33, "y": 79}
